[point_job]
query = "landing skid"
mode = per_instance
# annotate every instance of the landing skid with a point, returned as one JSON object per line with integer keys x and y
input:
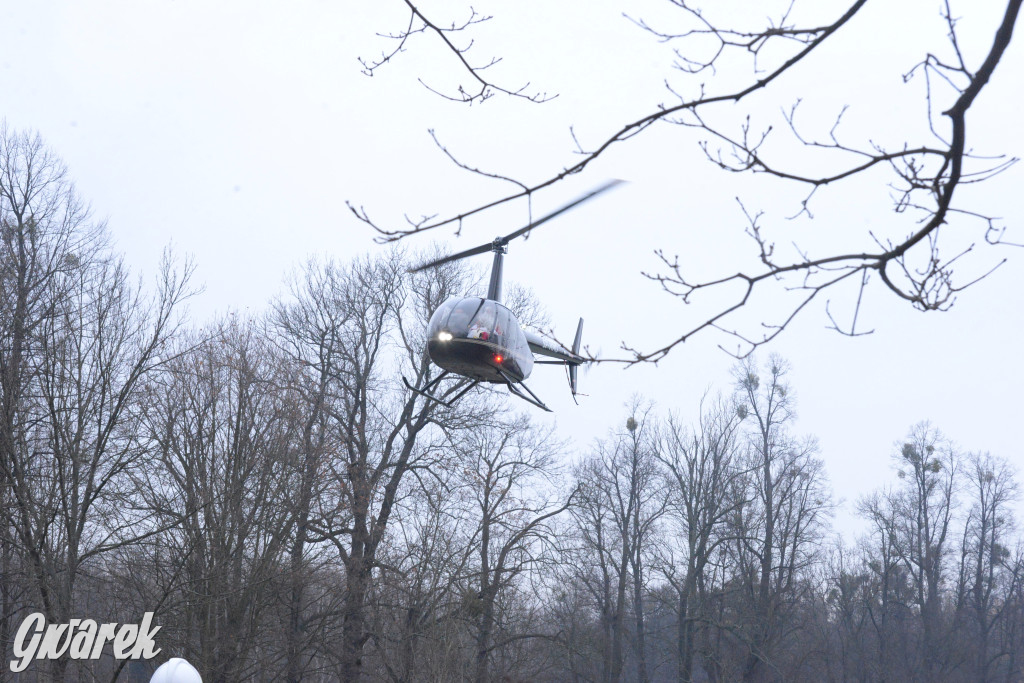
{"x": 514, "y": 390}
{"x": 425, "y": 391}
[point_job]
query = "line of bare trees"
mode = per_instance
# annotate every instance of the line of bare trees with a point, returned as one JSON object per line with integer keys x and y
{"x": 724, "y": 530}
{"x": 290, "y": 511}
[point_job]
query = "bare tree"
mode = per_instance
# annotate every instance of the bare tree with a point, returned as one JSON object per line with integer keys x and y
{"x": 915, "y": 522}
{"x": 844, "y": 640}
{"x": 599, "y": 567}
{"x": 420, "y": 600}
{"x": 511, "y": 481}
{"x": 1011, "y": 631}
{"x": 703, "y": 472}
{"x": 79, "y": 343}
{"x": 888, "y": 593}
{"x": 985, "y": 571}
{"x": 355, "y": 329}
{"x": 929, "y": 466}
{"x": 713, "y": 44}
{"x": 622, "y": 499}
{"x": 222, "y": 422}
{"x": 306, "y": 330}
{"x": 42, "y": 220}
{"x": 779, "y": 533}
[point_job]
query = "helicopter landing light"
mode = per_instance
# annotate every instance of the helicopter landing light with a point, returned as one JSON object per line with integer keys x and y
{"x": 445, "y": 336}
{"x": 498, "y": 358}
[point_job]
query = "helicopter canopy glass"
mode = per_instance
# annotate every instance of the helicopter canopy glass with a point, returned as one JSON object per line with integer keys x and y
{"x": 482, "y": 325}
{"x": 462, "y": 315}
{"x": 474, "y": 318}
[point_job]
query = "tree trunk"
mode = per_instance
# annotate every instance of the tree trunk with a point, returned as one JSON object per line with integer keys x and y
{"x": 638, "y": 611}
{"x": 354, "y": 624}
{"x": 483, "y": 638}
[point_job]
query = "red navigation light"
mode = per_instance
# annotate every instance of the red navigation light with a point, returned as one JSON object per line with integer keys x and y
{"x": 498, "y": 358}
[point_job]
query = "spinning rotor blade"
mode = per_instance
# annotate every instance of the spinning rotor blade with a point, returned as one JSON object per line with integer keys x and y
{"x": 590, "y": 195}
{"x": 502, "y": 241}
{"x": 482, "y": 249}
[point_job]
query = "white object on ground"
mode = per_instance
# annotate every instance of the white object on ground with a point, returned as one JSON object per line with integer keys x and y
{"x": 176, "y": 670}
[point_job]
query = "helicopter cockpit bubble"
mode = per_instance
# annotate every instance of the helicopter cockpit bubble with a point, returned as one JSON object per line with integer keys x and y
{"x": 479, "y": 338}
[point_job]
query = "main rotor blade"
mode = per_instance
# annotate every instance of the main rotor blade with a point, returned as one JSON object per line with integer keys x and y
{"x": 576, "y": 202}
{"x": 490, "y": 246}
{"x": 482, "y": 249}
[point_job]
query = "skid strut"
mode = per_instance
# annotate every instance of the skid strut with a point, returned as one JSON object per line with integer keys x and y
{"x": 425, "y": 391}
{"x": 514, "y": 390}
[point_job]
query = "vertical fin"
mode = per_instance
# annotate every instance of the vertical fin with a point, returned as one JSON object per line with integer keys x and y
{"x": 576, "y": 352}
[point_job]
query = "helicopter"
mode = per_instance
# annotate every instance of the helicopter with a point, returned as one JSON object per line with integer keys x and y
{"x": 480, "y": 339}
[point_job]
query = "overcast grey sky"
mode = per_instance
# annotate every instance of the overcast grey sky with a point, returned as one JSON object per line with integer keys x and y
{"x": 237, "y": 130}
